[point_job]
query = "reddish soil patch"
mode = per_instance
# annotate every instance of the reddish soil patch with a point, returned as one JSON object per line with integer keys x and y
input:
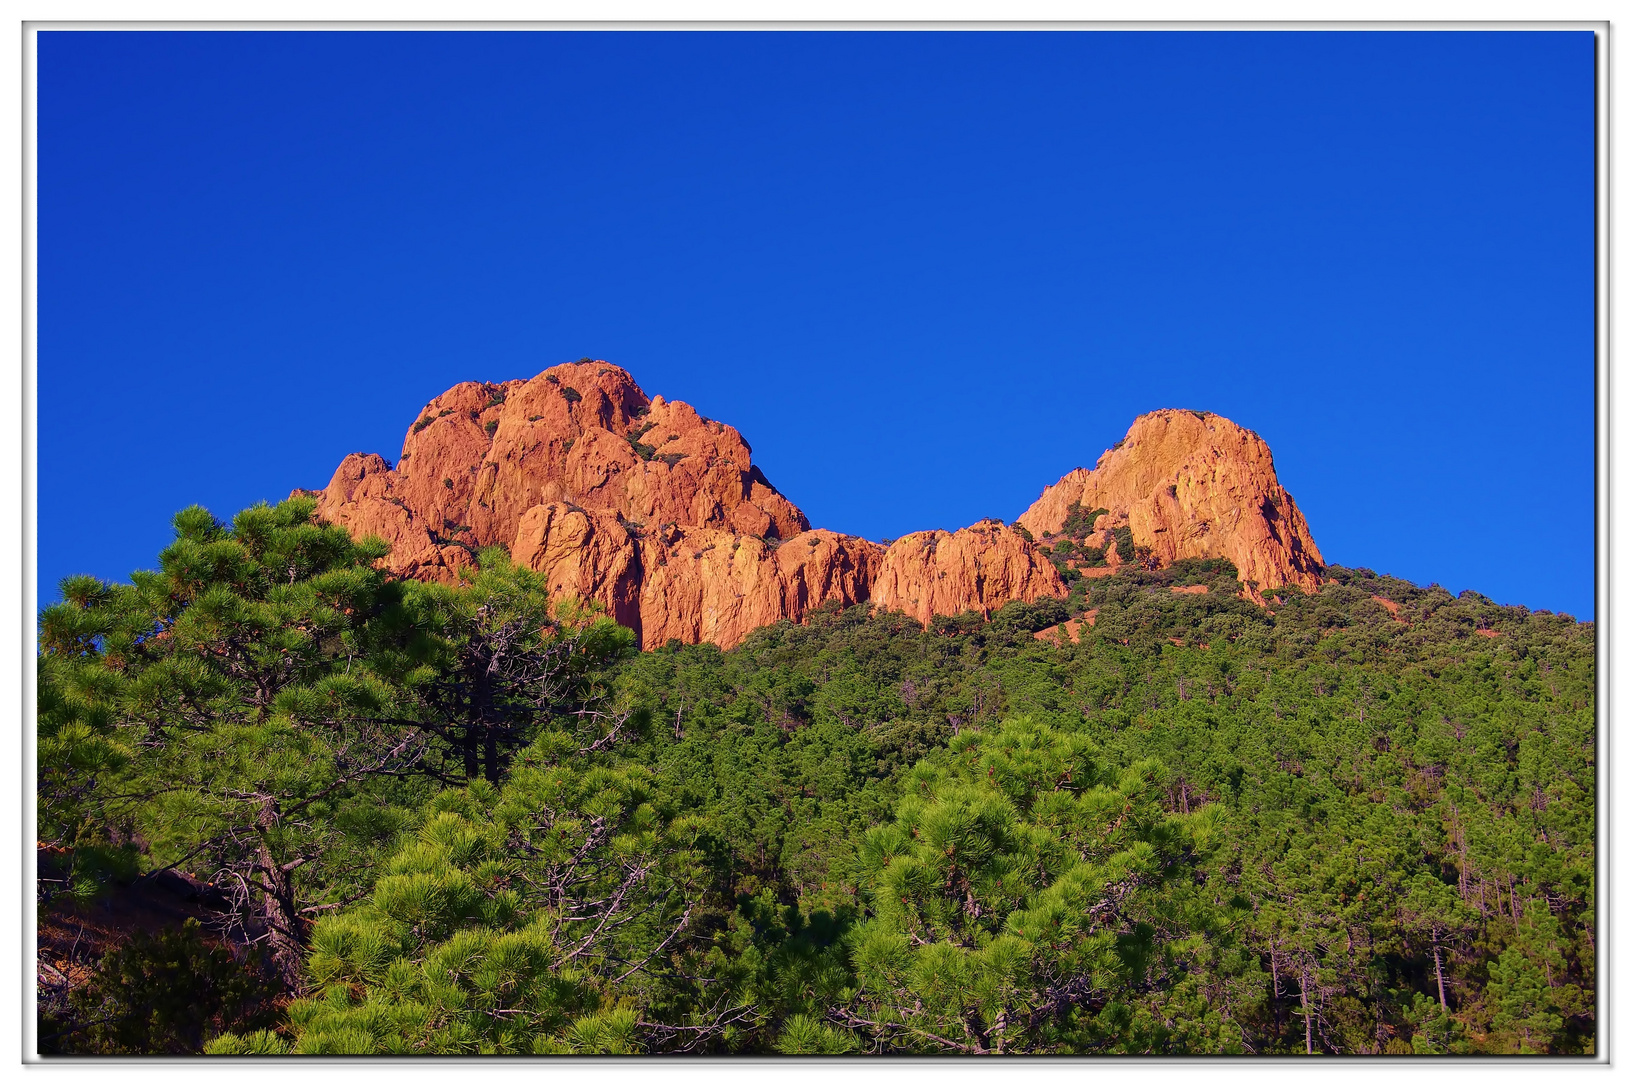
{"x": 1189, "y": 589}
{"x": 1394, "y": 609}
{"x": 1070, "y": 629}
{"x": 1488, "y": 633}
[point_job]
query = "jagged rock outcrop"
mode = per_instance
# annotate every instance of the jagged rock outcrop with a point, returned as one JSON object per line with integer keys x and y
{"x": 583, "y": 553}
{"x": 978, "y": 568}
{"x": 1190, "y": 485}
{"x": 692, "y": 584}
{"x": 481, "y": 455}
{"x": 637, "y": 502}
{"x": 660, "y": 516}
{"x": 363, "y": 496}
{"x": 718, "y": 586}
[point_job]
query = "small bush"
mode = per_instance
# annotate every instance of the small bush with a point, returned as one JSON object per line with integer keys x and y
{"x": 644, "y": 450}
{"x": 1123, "y": 538}
{"x": 423, "y": 422}
{"x": 1080, "y": 523}
{"x": 570, "y": 394}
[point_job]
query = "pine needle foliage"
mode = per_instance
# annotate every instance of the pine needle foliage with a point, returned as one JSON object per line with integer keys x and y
{"x": 524, "y": 919}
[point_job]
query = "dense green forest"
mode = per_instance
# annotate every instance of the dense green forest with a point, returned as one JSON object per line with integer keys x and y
{"x": 455, "y": 819}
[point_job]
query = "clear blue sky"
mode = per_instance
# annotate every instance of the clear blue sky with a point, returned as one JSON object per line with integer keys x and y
{"x": 925, "y": 273}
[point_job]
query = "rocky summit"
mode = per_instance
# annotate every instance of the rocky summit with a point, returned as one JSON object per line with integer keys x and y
{"x": 1188, "y": 485}
{"x": 659, "y": 514}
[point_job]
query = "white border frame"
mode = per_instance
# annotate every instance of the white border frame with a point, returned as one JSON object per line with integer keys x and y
{"x": 18, "y": 464}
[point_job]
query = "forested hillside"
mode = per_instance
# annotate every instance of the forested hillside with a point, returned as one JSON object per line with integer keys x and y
{"x": 1151, "y": 817}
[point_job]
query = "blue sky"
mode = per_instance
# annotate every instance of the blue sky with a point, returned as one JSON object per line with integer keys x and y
{"x": 925, "y": 274}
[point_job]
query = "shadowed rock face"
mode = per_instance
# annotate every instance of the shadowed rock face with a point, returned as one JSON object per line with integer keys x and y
{"x": 1192, "y": 486}
{"x": 659, "y": 515}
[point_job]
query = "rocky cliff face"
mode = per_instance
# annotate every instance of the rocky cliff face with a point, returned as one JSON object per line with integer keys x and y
{"x": 659, "y": 514}
{"x": 978, "y": 568}
{"x": 1190, "y": 485}
{"x": 715, "y": 585}
{"x": 638, "y": 502}
{"x": 692, "y": 584}
{"x": 482, "y": 455}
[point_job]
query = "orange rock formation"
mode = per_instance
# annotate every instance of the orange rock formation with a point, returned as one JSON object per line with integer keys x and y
{"x": 978, "y": 568}
{"x": 637, "y": 502}
{"x": 659, "y": 514}
{"x": 1191, "y": 485}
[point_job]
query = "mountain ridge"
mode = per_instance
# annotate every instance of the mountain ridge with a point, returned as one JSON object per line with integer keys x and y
{"x": 661, "y": 516}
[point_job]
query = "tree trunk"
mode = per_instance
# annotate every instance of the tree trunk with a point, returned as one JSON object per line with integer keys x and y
{"x": 1308, "y": 1029}
{"x": 1462, "y": 864}
{"x": 469, "y": 748}
{"x": 492, "y": 756}
{"x": 278, "y": 914}
{"x": 278, "y": 906}
{"x": 974, "y": 1025}
{"x": 1439, "y": 971}
{"x": 1274, "y": 974}
{"x": 478, "y": 709}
